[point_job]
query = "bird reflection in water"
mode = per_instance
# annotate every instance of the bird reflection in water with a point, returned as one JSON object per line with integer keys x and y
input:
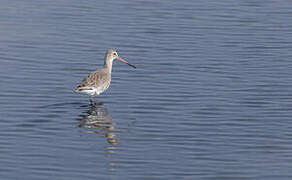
{"x": 98, "y": 120}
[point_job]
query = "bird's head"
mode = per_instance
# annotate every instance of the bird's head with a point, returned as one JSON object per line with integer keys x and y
{"x": 113, "y": 55}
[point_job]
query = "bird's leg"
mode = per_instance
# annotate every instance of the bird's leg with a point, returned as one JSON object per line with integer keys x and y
{"x": 92, "y": 102}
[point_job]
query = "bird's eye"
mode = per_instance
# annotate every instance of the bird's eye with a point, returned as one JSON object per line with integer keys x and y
{"x": 115, "y": 54}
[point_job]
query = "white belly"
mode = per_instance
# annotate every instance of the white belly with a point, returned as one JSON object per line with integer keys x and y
{"x": 92, "y": 92}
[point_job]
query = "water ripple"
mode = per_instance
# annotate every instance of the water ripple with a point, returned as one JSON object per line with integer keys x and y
{"x": 210, "y": 98}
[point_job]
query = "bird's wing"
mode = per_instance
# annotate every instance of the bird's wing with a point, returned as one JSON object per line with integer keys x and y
{"x": 93, "y": 80}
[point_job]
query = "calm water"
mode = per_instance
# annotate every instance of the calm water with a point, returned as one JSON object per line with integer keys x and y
{"x": 211, "y": 97}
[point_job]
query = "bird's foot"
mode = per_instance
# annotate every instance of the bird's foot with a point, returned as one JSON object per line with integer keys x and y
{"x": 92, "y": 102}
{"x": 95, "y": 103}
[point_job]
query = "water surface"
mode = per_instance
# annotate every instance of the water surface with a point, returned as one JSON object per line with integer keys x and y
{"x": 210, "y": 98}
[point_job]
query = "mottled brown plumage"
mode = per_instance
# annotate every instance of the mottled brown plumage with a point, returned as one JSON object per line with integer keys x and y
{"x": 99, "y": 78}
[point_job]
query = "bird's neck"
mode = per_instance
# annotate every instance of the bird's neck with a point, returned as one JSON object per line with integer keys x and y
{"x": 108, "y": 64}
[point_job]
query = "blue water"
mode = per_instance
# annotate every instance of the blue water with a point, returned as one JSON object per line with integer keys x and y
{"x": 210, "y": 98}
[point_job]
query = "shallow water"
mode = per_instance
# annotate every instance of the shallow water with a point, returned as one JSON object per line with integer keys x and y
{"x": 210, "y": 98}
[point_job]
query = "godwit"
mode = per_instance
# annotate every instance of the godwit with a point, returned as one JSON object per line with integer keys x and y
{"x": 99, "y": 80}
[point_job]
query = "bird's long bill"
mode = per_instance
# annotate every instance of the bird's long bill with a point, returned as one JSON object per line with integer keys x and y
{"x": 120, "y": 59}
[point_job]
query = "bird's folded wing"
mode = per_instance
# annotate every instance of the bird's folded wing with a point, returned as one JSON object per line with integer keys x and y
{"x": 93, "y": 80}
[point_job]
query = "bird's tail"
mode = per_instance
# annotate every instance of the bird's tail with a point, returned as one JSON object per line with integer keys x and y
{"x": 80, "y": 88}
{"x": 77, "y": 89}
